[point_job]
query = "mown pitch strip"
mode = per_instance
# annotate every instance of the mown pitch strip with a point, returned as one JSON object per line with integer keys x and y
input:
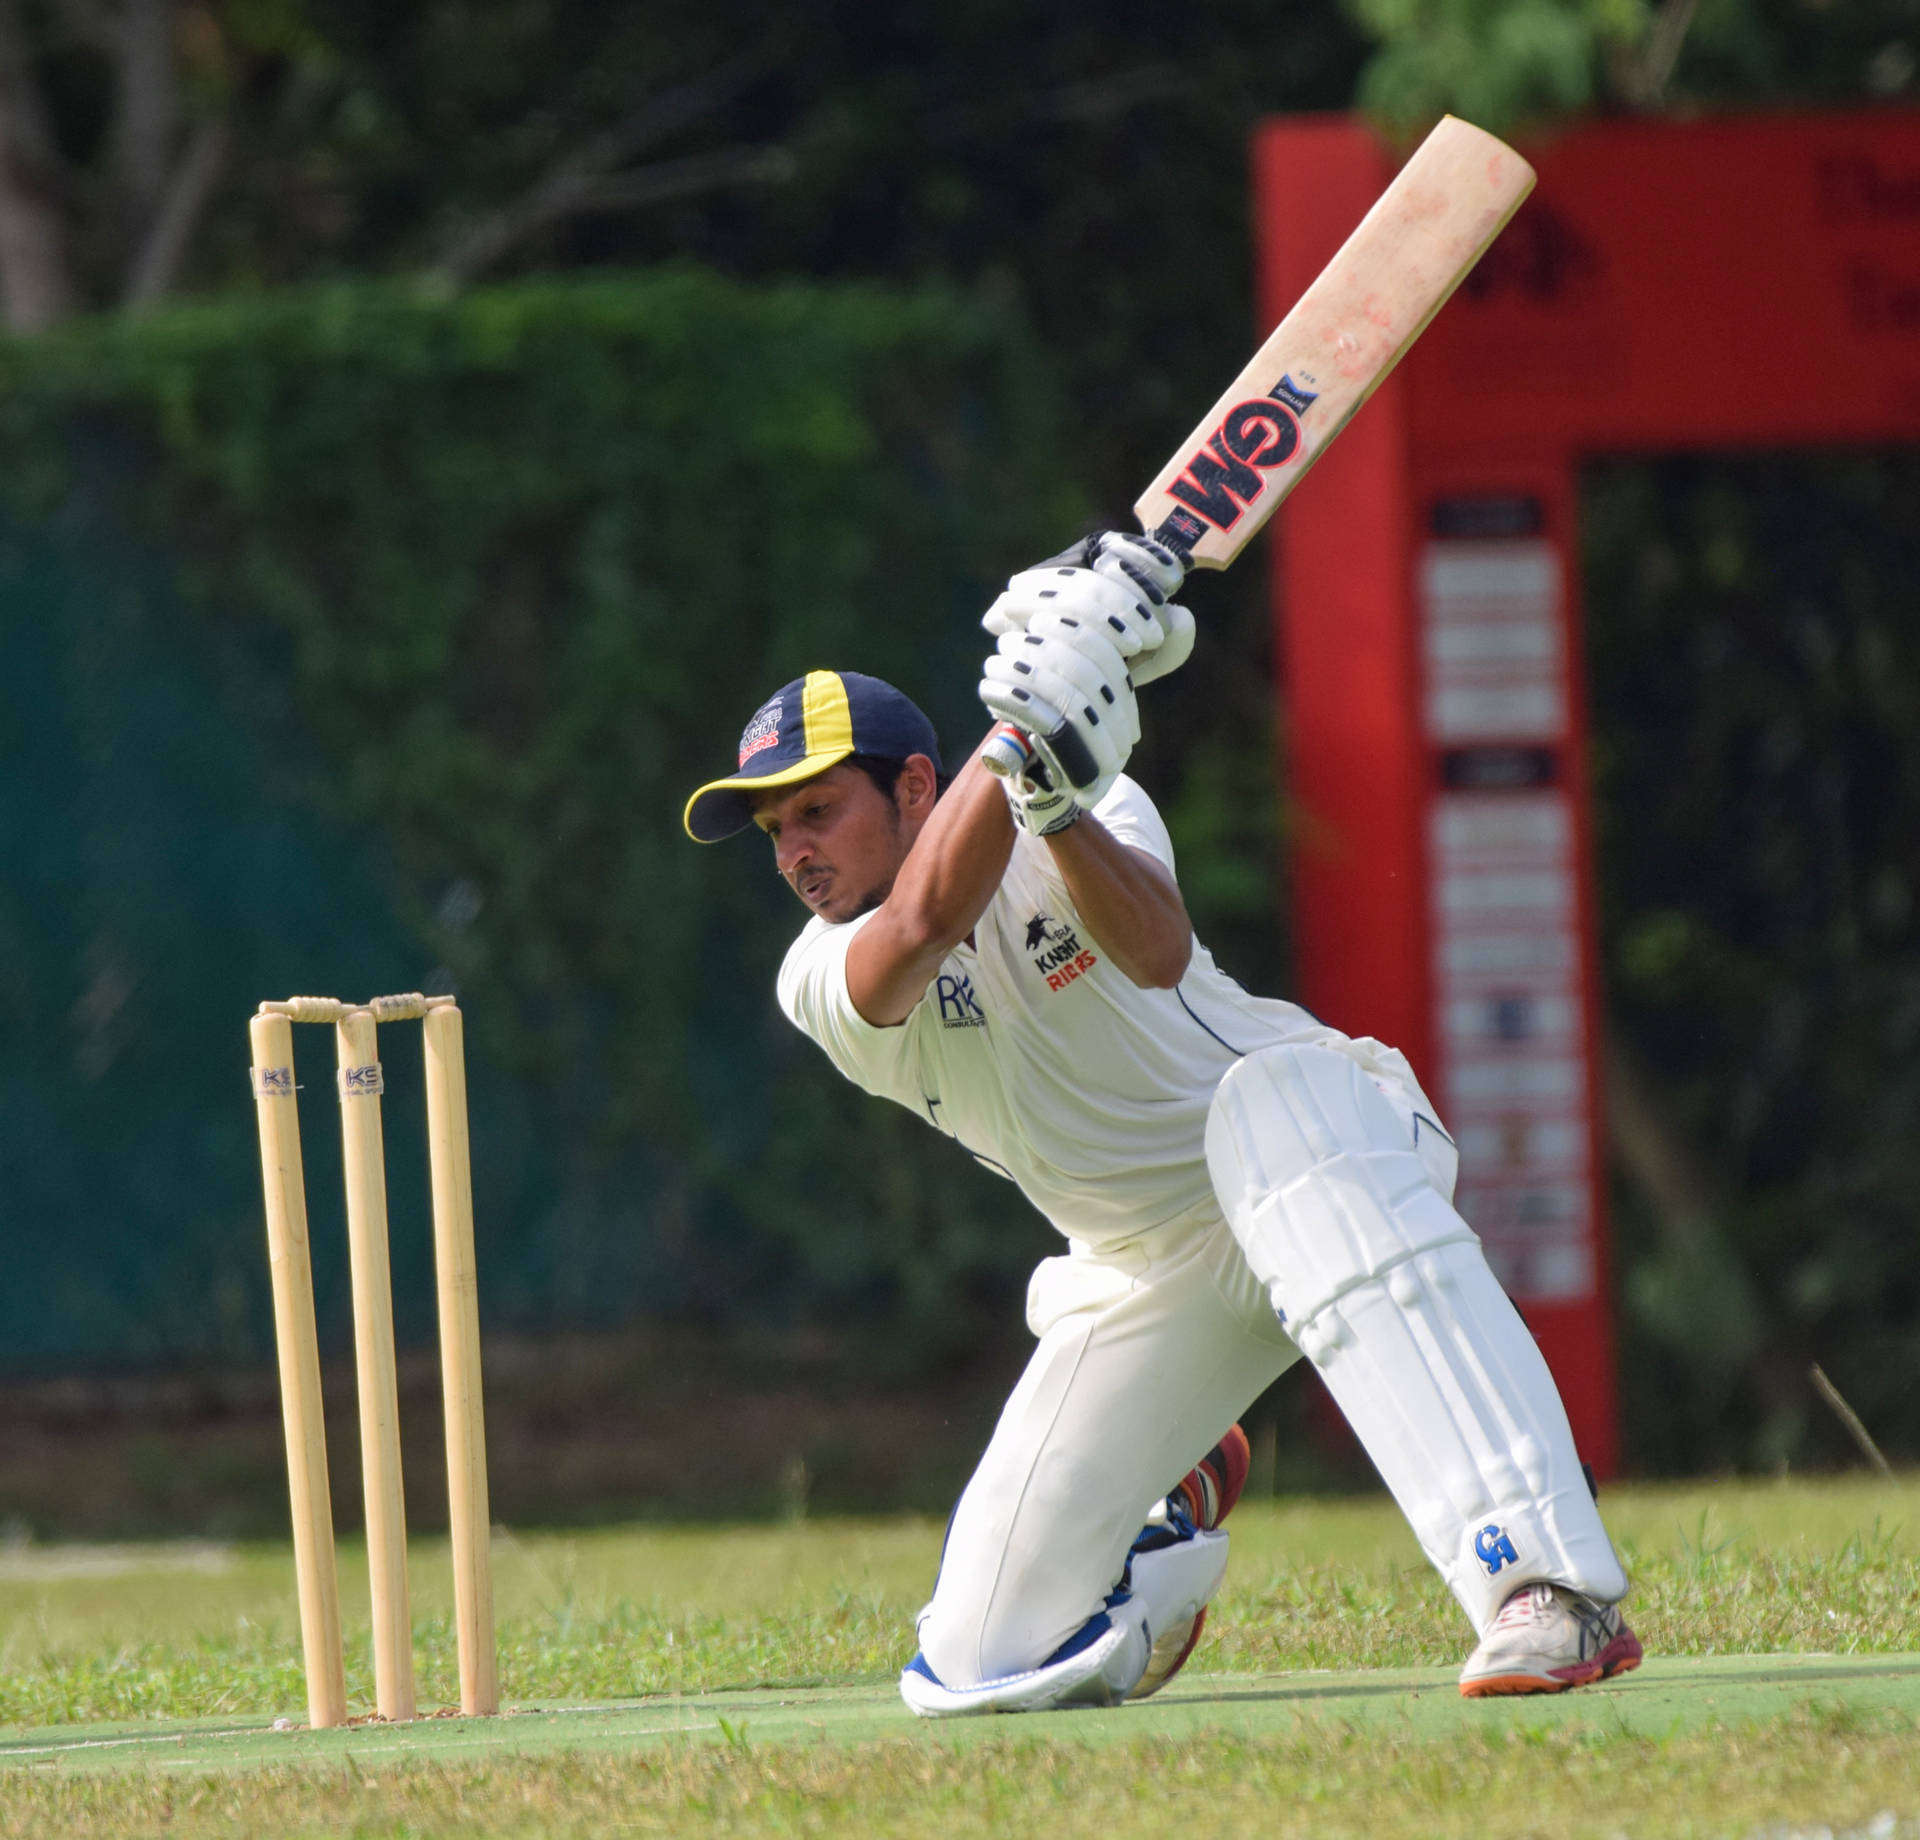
{"x": 1666, "y": 1697}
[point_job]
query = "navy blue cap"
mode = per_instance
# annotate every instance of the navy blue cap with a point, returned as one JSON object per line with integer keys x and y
{"x": 803, "y": 729}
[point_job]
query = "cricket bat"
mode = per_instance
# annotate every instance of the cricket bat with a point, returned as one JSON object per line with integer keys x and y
{"x": 1319, "y": 365}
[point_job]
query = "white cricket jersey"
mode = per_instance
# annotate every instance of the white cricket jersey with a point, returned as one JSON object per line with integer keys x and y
{"x": 1043, "y": 1058}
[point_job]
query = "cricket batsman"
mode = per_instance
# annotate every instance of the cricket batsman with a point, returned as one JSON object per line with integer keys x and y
{"x": 1237, "y": 1184}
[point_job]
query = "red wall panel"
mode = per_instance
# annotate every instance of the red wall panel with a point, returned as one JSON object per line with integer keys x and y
{"x": 1714, "y": 284}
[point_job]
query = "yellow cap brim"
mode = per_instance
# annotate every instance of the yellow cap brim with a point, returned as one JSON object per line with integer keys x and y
{"x": 724, "y": 806}
{"x": 721, "y": 816}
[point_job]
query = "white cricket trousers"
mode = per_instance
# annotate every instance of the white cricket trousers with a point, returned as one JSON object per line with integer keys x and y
{"x": 1149, "y": 1349}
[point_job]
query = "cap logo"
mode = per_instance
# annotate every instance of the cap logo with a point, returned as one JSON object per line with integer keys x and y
{"x": 762, "y": 732}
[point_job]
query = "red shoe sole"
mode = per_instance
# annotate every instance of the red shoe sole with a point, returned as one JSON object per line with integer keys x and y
{"x": 1237, "y": 1459}
{"x": 1226, "y": 1466}
{"x": 1180, "y": 1661}
{"x": 1620, "y": 1656}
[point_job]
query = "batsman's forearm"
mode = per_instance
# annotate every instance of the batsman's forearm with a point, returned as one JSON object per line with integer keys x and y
{"x": 941, "y": 890}
{"x": 958, "y": 859}
{"x": 1129, "y": 900}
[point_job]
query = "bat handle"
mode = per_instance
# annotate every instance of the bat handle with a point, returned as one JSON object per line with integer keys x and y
{"x": 1010, "y": 752}
{"x": 1177, "y": 533}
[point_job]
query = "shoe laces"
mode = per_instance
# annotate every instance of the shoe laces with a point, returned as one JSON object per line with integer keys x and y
{"x": 1526, "y": 1605}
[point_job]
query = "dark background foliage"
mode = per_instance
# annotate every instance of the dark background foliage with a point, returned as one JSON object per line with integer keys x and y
{"x": 522, "y": 390}
{"x": 471, "y": 595}
{"x": 1755, "y": 668}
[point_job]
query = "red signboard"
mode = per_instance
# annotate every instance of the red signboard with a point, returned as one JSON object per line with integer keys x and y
{"x": 1718, "y": 284}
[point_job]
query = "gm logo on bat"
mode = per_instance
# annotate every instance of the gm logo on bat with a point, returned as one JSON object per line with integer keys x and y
{"x": 1253, "y": 438}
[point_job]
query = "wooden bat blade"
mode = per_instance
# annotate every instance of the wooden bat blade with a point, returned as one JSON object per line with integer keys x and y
{"x": 1345, "y": 333}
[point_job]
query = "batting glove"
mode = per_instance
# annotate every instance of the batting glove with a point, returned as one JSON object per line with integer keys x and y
{"x": 1157, "y": 573}
{"x": 1062, "y": 674}
{"x": 1153, "y": 634}
{"x": 1040, "y": 809}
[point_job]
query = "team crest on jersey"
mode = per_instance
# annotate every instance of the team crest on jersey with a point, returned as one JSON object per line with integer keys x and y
{"x": 1057, "y": 952}
{"x": 762, "y": 732}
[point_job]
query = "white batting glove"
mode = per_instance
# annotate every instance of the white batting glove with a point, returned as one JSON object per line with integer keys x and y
{"x": 1153, "y": 634}
{"x": 1063, "y": 673}
{"x": 1148, "y": 565}
{"x": 1147, "y": 562}
{"x": 1124, "y": 616}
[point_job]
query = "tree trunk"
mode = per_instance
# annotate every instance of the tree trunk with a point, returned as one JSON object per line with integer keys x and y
{"x": 158, "y": 253}
{"x": 1685, "y": 1201}
{"x": 36, "y": 287}
{"x": 144, "y": 118}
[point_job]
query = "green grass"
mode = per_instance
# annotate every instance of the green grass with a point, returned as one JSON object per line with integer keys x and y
{"x": 1798, "y": 1775}
{"x": 800, "y": 1629}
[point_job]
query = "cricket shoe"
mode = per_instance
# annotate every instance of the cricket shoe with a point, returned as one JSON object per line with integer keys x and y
{"x": 1202, "y": 1499}
{"x": 1547, "y": 1639}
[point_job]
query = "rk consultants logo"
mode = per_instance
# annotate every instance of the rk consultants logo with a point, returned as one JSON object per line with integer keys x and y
{"x": 1057, "y": 952}
{"x": 959, "y": 1007}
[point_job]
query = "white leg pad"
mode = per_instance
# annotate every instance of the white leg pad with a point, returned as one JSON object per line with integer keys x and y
{"x": 1102, "y": 1673}
{"x": 1387, "y": 1292}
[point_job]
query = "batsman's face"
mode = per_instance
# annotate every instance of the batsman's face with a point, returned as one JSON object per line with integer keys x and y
{"x": 838, "y": 841}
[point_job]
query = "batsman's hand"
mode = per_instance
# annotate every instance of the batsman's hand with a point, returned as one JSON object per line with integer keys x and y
{"x": 1041, "y": 810}
{"x": 1125, "y": 580}
{"x": 1062, "y": 672}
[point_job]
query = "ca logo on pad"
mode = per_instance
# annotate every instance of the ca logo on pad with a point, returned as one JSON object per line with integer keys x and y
{"x": 1493, "y": 1549}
